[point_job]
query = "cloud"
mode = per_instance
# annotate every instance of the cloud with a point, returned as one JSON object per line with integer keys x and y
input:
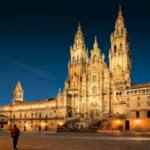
{"x": 27, "y": 67}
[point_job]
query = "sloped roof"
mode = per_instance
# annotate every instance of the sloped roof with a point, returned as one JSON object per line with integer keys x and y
{"x": 38, "y": 101}
{"x": 138, "y": 86}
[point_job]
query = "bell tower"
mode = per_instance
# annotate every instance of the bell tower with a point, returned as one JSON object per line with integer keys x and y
{"x": 119, "y": 55}
{"x": 18, "y": 94}
{"x": 76, "y": 68}
{"x": 120, "y": 65}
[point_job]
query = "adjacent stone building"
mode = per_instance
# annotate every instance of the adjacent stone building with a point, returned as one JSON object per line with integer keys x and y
{"x": 92, "y": 90}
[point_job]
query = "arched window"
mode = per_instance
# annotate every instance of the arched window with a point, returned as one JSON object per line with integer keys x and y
{"x": 77, "y": 58}
{"x": 83, "y": 107}
{"x": 94, "y": 78}
{"x": 115, "y": 49}
{"x": 94, "y": 90}
{"x": 122, "y": 31}
{"x": 70, "y": 113}
{"x": 120, "y": 46}
{"x": 40, "y": 115}
{"x": 73, "y": 59}
{"x": 94, "y": 58}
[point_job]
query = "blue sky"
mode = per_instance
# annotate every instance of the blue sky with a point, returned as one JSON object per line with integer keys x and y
{"x": 35, "y": 37}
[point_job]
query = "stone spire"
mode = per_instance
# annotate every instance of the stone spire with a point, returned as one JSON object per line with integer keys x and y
{"x": 120, "y": 10}
{"x": 95, "y": 52}
{"x": 79, "y": 26}
{"x": 18, "y": 87}
{"x": 79, "y": 39}
{"x": 120, "y": 19}
{"x": 95, "y": 45}
{"x": 18, "y": 93}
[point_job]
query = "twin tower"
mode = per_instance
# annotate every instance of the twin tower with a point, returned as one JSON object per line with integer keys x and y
{"x": 93, "y": 89}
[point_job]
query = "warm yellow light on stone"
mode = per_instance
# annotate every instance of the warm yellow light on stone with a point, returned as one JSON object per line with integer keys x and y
{"x": 42, "y": 124}
{"x": 27, "y": 125}
{"x": 60, "y": 123}
{"x": 137, "y": 121}
{"x": 118, "y": 122}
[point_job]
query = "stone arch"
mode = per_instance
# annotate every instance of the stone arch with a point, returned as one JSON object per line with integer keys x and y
{"x": 127, "y": 125}
{"x": 121, "y": 46}
{"x": 115, "y": 48}
{"x": 94, "y": 58}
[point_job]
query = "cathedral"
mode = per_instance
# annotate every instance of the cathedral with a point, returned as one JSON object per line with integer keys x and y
{"x": 92, "y": 91}
{"x": 92, "y": 87}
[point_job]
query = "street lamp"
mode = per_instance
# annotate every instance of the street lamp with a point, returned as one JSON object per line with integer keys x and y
{"x": 137, "y": 121}
{"x": 118, "y": 122}
{"x": 60, "y": 123}
{"x": 42, "y": 124}
{"x": 27, "y": 125}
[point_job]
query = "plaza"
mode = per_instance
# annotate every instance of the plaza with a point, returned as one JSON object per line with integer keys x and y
{"x": 93, "y": 92}
{"x": 76, "y": 141}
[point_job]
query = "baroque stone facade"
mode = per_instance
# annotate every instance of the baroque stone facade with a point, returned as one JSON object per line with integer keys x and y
{"x": 92, "y": 90}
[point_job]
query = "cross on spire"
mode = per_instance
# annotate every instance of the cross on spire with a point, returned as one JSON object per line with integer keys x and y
{"x": 120, "y": 10}
{"x": 79, "y": 26}
{"x": 95, "y": 42}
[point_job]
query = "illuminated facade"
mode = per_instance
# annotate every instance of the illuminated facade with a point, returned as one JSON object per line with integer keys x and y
{"x": 92, "y": 90}
{"x": 31, "y": 116}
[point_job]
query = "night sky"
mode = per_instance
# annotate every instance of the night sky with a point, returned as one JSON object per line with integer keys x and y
{"x": 35, "y": 38}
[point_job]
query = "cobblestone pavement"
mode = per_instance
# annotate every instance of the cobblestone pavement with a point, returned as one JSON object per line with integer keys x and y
{"x": 76, "y": 141}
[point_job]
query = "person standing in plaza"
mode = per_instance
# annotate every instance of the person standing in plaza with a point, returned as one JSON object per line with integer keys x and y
{"x": 15, "y": 132}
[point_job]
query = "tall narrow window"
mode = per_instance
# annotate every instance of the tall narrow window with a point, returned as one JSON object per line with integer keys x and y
{"x": 94, "y": 78}
{"x": 148, "y": 114}
{"x": 94, "y": 58}
{"x": 137, "y": 114}
{"x": 40, "y": 115}
{"x": 73, "y": 59}
{"x": 121, "y": 46}
{"x": 138, "y": 101}
{"x": 115, "y": 49}
{"x": 127, "y": 102}
{"x": 78, "y": 58}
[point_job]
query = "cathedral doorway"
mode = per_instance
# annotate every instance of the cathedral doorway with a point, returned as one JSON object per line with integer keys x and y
{"x": 70, "y": 113}
{"x": 39, "y": 128}
{"x": 92, "y": 113}
{"x": 46, "y": 128}
{"x": 127, "y": 125}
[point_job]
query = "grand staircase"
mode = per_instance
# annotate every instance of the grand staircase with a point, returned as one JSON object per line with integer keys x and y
{"x": 81, "y": 125}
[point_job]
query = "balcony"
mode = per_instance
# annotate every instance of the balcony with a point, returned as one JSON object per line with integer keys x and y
{"x": 39, "y": 118}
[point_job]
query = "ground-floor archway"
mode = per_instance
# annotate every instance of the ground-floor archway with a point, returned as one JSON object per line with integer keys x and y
{"x": 127, "y": 125}
{"x": 39, "y": 128}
